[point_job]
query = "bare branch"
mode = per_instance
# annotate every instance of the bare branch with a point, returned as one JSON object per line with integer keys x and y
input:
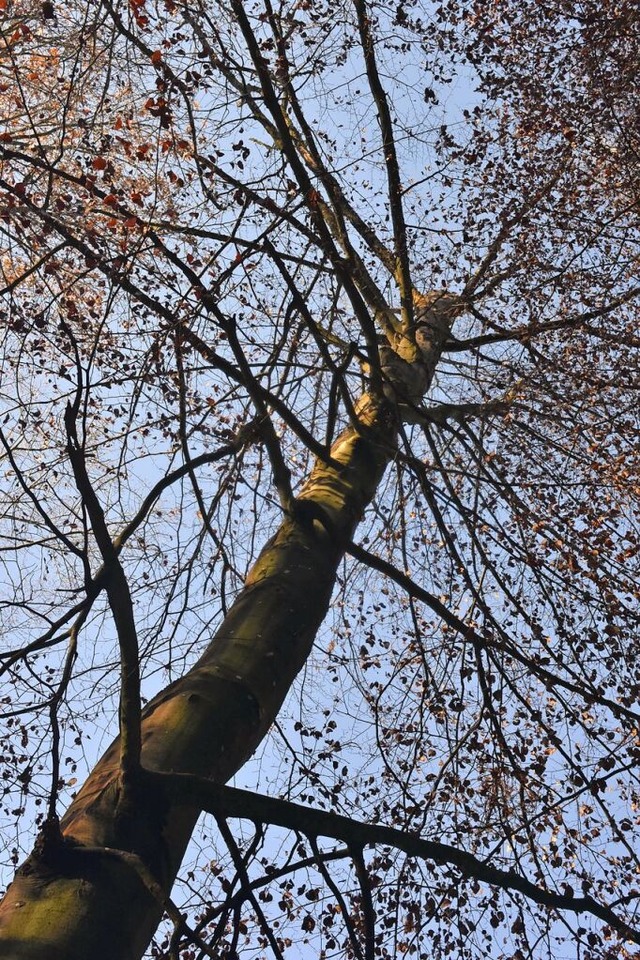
{"x": 223, "y": 801}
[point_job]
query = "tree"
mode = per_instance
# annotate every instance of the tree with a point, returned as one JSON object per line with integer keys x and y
{"x": 320, "y": 341}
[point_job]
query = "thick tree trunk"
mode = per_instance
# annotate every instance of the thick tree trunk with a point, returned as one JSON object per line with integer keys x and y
{"x": 76, "y": 901}
{"x": 95, "y": 892}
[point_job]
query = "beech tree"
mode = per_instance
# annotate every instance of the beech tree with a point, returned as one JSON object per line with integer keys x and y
{"x": 320, "y": 471}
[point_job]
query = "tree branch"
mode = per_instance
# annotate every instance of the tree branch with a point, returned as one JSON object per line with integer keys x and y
{"x": 120, "y": 602}
{"x": 402, "y": 271}
{"x": 223, "y": 801}
{"x": 467, "y": 631}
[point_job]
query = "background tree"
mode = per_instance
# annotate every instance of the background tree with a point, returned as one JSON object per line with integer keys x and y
{"x": 361, "y": 280}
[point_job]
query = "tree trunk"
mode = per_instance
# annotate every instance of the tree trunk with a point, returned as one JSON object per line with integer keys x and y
{"x": 76, "y": 900}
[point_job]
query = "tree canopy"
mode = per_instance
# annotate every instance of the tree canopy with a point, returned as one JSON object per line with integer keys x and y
{"x": 322, "y": 318}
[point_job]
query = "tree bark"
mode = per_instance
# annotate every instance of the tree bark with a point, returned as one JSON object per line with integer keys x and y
{"x": 76, "y": 898}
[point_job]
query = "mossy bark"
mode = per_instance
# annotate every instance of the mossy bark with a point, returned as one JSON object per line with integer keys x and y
{"x": 70, "y": 901}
